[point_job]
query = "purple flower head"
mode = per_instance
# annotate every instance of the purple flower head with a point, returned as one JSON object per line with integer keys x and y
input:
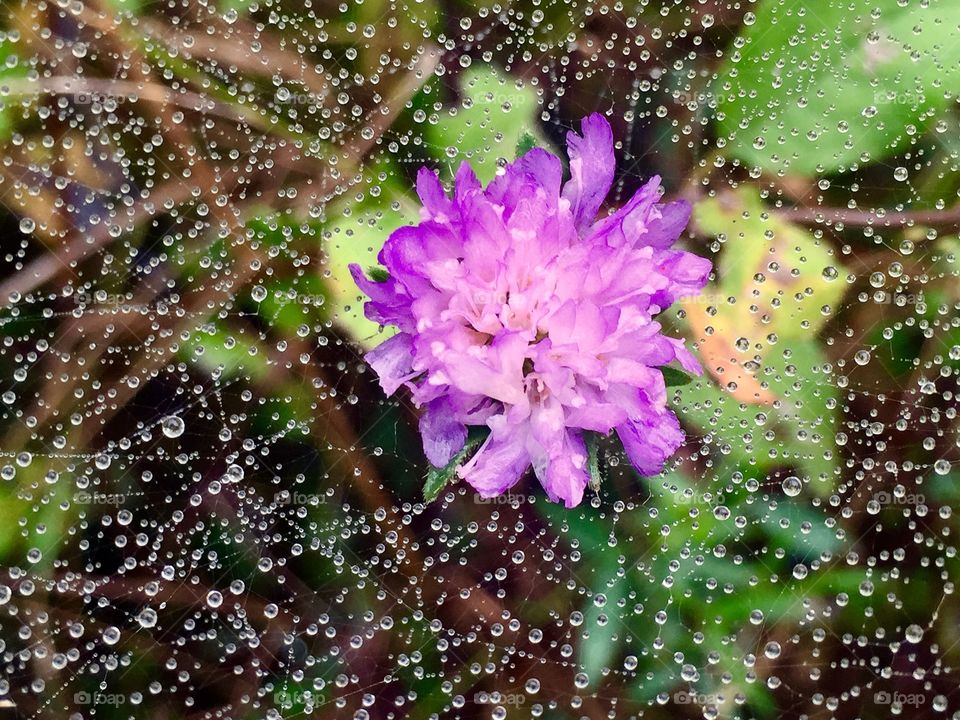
{"x": 519, "y": 310}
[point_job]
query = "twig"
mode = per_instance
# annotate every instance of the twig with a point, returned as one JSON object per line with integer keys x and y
{"x": 49, "y": 265}
{"x": 946, "y": 220}
{"x": 94, "y": 88}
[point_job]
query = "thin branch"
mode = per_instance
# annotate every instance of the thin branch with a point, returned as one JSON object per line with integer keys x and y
{"x": 48, "y": 266}
{"x": 945, "y": 220}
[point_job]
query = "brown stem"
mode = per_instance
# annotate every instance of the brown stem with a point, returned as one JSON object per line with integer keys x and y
{"x": 48, "y": 266}
{"x": 946, "y": 220}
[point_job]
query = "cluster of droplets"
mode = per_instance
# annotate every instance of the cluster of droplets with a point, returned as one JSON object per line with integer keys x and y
{"x": 213, "y": 512}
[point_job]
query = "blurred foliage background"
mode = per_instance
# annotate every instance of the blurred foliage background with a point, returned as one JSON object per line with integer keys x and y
{"x": 210, "y": 510}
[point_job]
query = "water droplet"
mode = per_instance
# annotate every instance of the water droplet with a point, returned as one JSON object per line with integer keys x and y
{"x": 172, "y": 426}
{"x": 914, "y": 634}
{"x": 792, "y": 486}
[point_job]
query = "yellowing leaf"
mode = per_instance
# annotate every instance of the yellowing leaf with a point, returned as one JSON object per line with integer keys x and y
{"x": 786, "y": 282}
{"x": 720, "y": 360}
{"x": 772, "y": 403}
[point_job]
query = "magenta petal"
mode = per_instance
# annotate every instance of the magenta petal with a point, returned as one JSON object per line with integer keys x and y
{"x": 497, "y": 374}
{"x": 650, "y": 441}
{"x": 600, "y": 417}
{"x": 465, "y": 182}
{"x": 559, "y": 456}
{"x": 392, "y": 360}
{"x": 687, "y": 361}
{"x": 498, "y": 465}
{"x": 687, "y": 274}
{"x": 566, "y": 474}
{"x": 389, "y": 303}
{"x": 436, "y": 204}
{"x": 592, "y": 165}
{"x": 443, "y": 435}
{"x": 545, "y": 169}
{"x": 568, "y": 479}
{"x": 629, "y": 223}
{"x": 664, "y": 231}
{"x": 409, "y": 252}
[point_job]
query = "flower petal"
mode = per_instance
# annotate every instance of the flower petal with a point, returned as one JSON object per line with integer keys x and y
{"x": 495, "y": 370}
{"x": 650, "y": 440}
{"x": 663, "y": 231}
{"x": 392, "y": 361}
{"x": 559, "y": 455}
{"x": 687, "y": 361}
{"x": 686, "y": 274}
{"x": 545, "y": 169}
{"x": 498, "y": 465}
{"x": 465, "y": 183}
{"x": 389, "y": 302}
{"x": 410, "y": 253}
{"x": 629, "y": 223}
{"x": 592, "y": 165}
{"x": 436, "y": 204}
{"x": 442, "y": 434}
{"x": 567, "y": 475}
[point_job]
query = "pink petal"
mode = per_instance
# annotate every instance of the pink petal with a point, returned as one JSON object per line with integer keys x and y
{"x": 650, "y": 440}
{"x": 392, "y": 361}
{"x": 499, "y": 463}
{"x": 592, "y": 164}
{"x": 443, "y": 435}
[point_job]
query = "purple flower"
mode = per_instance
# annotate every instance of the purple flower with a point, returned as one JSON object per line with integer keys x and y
{"x": 517, "y": 309}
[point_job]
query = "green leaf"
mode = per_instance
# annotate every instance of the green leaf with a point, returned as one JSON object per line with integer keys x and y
{"x": 815, "y": 88}
{"x": 291, "y": 303}
{"x": 526, "y": 143}
{"x": 781, "y": 523}
{"x": 768, "y": 399}
{"x": 585, "y": 523}
{"x": 803, "y": 422}
{"x": 12, "y": 67}
{"x": 673, "y": 377}
{"x": 217, "y": 350}
{"x": 354, "y": 233}
{"x": 438, "y": 478}
{"x": 494, "y": 117}
{"x": 378, "y": 274}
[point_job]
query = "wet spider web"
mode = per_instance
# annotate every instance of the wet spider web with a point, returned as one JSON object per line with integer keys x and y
{"x": 212, "y": 511}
